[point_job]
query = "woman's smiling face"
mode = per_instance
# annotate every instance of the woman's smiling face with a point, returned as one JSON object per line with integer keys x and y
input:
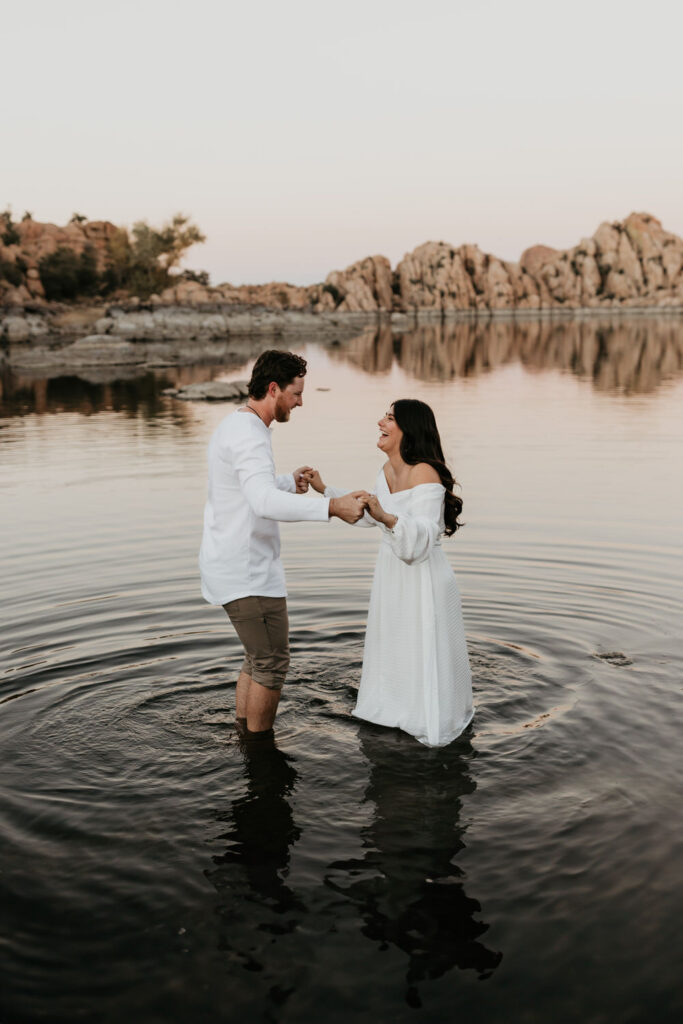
{"x": 390, "y": 433}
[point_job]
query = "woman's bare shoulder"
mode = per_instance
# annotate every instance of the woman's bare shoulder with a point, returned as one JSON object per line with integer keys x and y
{"x": 423, "y": 473}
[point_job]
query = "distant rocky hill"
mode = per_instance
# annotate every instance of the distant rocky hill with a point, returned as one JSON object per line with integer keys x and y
{"x": 632, "y": 263}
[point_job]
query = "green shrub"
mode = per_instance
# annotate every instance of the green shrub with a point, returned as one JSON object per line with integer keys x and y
{"x": 66, "y": 275}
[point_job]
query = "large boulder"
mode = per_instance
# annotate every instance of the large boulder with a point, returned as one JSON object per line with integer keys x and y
{"x": 211, "y": 391}
{"x": 437, "y": 276}
{"x": 626, "y": 263}
{"x": 17, "y": 329}
{"x": 364, "y": 287}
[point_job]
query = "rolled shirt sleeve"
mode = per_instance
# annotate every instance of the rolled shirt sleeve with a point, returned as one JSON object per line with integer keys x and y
{"x": 286, "y": 482}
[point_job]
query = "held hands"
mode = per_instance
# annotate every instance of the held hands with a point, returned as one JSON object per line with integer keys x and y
{"x": 305, "y": 476}
{"x": 376, "y": 511}
{"x": 350, "y": 507}
{"x": 363, "y": 500}
{"x": 316, "y": 481}
{"x": 302, "y": 478}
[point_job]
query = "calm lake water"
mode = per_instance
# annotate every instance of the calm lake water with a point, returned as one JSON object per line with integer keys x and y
{"x": 529, "y": 872}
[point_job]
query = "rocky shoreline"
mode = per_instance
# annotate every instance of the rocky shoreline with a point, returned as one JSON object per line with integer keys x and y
{"x": 134, "y": 336}
{"x": 165, "y": 336}
{"x": 631, "y": 267}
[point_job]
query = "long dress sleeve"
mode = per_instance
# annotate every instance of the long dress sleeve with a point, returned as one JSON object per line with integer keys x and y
{"x": 416, "y": 532}
{"x": 253, "y": 462}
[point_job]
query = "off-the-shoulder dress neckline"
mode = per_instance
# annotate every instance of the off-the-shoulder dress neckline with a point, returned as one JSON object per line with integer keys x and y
{"x": 404, "y": 490}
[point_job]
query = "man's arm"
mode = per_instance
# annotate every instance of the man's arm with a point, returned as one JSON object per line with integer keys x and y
{"x": 253, "y": 461}
{"x": 286, "y": 482}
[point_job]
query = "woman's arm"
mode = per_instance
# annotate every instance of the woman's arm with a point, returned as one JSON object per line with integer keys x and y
{"x": 413, "y": 534}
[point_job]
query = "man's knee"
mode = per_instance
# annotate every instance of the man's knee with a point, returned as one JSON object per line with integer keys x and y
{"x": 270, "y": 669}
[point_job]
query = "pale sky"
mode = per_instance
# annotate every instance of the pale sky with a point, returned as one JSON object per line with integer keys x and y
{"x": 305, "y": 135}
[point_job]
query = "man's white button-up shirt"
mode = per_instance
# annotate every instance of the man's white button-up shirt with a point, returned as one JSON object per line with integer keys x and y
{"x": 240, "y": 551}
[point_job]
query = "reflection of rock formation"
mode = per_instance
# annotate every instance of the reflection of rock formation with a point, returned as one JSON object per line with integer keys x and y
{"x": 372, "y": 351}
{"x": 406, "y": 889}
{"x": 131, "y": 390}
{"x": 249, "y": 875}
{"x": 44, "y": 386}
{"x": 632, "y": 356}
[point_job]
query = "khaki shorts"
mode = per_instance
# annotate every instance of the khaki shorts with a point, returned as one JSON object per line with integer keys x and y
{"x": 262, "y": 624}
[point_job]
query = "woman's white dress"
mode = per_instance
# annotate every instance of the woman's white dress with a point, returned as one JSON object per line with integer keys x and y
{"x": 416, "y": 672}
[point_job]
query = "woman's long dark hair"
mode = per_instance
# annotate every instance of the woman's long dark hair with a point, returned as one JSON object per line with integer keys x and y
{"x": 421, "y": 443}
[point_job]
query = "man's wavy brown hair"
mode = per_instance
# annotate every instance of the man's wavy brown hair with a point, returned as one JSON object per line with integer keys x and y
{"x": 275, "y": 365}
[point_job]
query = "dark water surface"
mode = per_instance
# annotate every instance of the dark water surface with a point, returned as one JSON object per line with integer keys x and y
{"x": 152, "y": 872}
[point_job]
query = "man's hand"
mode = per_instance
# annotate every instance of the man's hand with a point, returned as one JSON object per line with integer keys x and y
{"x": 302, "y": 477}
{"x": 349, "y": 507}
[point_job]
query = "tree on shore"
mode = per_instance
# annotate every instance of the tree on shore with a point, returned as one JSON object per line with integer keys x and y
{"x": 141, "y": 262}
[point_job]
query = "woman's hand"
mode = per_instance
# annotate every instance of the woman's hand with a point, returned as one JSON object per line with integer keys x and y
{"x": 377, "y": 512}
{"x": 316, "y": 481}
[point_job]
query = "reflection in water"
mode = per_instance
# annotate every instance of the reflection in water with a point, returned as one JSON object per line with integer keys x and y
{"x": 256, "y": 902}
{"x": 131, "y": 390}
{"x": 625, "y": 355}
{"x": 628, "y": 355}
{"x": 406, "y": 888}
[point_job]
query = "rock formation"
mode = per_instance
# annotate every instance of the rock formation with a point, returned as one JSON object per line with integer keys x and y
{"x": 633, "y": 263}
{"x": 362, "y": 288}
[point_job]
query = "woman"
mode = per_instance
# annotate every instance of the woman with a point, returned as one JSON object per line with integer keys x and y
{"x": 416, "y": 673}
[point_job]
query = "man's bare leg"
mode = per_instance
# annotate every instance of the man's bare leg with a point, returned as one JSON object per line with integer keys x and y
{"x": 261, "y": 707}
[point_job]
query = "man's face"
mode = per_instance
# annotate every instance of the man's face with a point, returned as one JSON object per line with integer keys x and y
{"x": 288, "y": 398}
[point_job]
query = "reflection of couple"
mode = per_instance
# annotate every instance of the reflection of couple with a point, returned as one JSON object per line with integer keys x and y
{"x": 416, "y": 672}
{"x": 403, "y": 888}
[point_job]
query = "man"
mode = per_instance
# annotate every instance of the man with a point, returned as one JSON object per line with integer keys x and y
{"x": 239, "y": 558}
